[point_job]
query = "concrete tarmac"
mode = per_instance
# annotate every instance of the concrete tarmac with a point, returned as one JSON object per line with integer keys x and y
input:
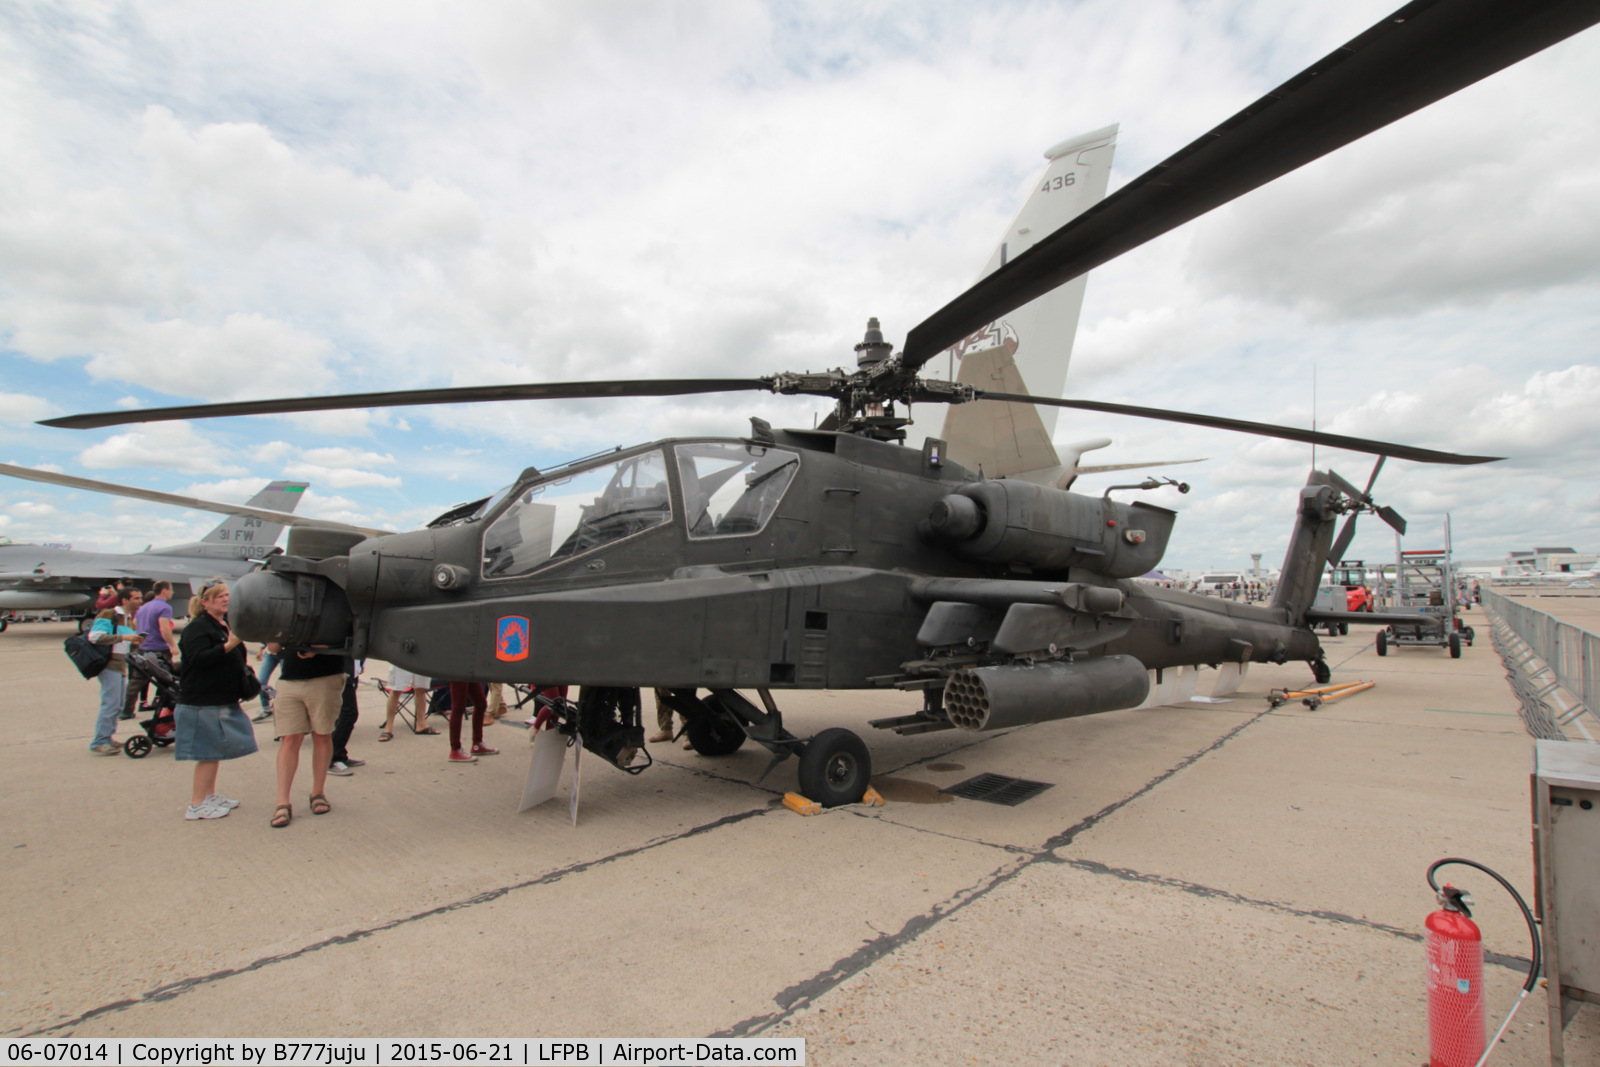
{"x": 1202, "y": 884}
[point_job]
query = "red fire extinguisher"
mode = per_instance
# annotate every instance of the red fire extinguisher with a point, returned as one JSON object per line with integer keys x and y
{"x": 1454, "y": 947}
{"x": 1455, "y": 973}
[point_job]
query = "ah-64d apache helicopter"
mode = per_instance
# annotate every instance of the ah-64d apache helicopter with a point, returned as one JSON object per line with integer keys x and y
{"x": 840, "y": 558}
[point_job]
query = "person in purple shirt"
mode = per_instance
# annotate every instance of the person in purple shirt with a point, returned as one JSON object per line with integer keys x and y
{"x": 157, "y": 636}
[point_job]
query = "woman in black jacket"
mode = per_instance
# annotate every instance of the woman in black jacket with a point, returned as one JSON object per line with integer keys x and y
{"x": 210, "y": 726}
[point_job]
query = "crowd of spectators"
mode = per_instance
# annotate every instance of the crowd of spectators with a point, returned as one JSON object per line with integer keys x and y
{"x": 316, "y": 694}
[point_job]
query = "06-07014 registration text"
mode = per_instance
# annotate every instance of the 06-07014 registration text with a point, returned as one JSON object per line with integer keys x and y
{"x": 396, "y": 1052}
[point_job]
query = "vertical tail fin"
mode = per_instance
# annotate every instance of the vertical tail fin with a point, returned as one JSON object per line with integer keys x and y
{"x": 1308, "y": 546}
{"x": 241, "y": 536}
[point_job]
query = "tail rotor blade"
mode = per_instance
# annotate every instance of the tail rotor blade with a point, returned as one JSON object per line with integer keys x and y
{"x": 1393, "y": 518}
{"x": 1346, "y": 488}
{"x": 1376, "y": 468}
{"x": 1342, "y": 542}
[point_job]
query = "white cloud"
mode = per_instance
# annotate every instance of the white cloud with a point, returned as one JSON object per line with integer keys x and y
{"x": 238, "y": 185}
{"x": 347, "y": 457}
{"x": 171, "y": 445}
{"x": 20, "y": 407}
{"x": 339, "y": 477}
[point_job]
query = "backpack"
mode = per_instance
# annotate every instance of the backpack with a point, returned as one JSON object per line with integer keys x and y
{"x": 90, "y": 659}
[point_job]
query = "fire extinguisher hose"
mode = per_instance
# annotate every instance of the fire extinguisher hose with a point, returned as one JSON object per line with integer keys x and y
{"x": 1533, "y": 935}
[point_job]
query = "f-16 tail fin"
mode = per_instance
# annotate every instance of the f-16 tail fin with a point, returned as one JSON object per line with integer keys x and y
{"x": 1033, "y": 344}
{"x": 245, "y": 536}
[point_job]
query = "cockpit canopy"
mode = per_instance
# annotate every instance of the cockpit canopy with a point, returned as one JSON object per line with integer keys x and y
{"x": 726, "y": 488}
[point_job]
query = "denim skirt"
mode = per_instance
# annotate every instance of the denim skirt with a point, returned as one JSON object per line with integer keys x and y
{"x": 209, "y": 732}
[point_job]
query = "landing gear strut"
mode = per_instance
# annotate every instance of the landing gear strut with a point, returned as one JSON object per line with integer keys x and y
{"x": 835, "y": 766}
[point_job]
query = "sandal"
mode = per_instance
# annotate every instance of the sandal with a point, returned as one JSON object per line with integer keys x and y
{"x": 427, "y": 730}
{"x": 385, "y": 735}
{"x": 281, "y": 816}
{"x": 320, "y": 805}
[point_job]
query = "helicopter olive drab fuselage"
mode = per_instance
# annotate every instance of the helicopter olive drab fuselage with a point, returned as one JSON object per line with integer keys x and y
{"x": 805, "y": 559}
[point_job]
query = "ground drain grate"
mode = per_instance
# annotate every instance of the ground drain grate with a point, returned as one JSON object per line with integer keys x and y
{"x": 998, "y": 789}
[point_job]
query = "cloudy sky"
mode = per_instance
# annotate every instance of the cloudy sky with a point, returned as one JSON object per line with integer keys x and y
{"x": 204, "y": 201}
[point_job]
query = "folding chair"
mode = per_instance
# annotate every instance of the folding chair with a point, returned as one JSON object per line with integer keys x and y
{"x": 411, "y": 711}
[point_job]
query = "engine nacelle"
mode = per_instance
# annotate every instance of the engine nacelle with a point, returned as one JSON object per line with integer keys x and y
{"x": 996, "y": 698}
{"x": 291, "y": 609}
{"x": 1005, "y": 521}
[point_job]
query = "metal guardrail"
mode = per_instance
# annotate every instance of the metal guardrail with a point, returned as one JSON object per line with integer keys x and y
{"x": 1571, "y": 653}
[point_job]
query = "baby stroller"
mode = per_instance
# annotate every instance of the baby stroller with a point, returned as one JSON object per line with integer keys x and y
{"x": 159, "y": 728}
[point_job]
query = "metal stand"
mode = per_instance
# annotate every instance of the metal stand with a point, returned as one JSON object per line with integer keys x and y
{"x": 1566, "y": 854}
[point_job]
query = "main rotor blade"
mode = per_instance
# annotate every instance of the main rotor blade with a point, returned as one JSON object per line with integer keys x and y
{"x": 1422, "y": 53}
{"x": 1261, "y": 429}
{"x": 471, "y": 394}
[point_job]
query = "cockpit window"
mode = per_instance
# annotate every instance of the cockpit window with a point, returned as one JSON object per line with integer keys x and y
{"x": 731, "y": 488}
{"x": 577, "y": 513}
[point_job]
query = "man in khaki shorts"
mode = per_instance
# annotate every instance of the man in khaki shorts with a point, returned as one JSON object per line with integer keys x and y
{"x": 309, "y": 690}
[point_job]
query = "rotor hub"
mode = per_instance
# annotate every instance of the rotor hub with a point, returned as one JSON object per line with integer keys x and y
{"x": 873, "y": 349}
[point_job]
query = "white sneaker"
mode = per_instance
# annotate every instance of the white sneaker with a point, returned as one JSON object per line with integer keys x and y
{"x": 205, "y": 810}
{"x": 217, "y": 800}
{"x": 338, "y": 767}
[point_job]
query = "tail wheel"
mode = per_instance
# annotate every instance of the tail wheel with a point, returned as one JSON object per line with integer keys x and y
{"x": 1455, "y": 646}
{"x": 835, "y": 768}
{"x": 1383, "y": 642}
{"x": 1321, "y": 671}
{"x": 136, "y": 747}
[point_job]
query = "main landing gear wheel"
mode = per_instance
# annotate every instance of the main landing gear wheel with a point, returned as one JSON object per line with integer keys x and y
{"x": 85, "y": 623}
{"x": 4, "y": 623}
{"x": 1321, "y": 671}
{"x": 835, "y": 768}
{"x": 1383, "y": 642}
{"x": 1344, "y": 629}
{"x": 1455, "y": 646}
{"x": 136, "y": 747}
{"x": 714, "y": 735}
